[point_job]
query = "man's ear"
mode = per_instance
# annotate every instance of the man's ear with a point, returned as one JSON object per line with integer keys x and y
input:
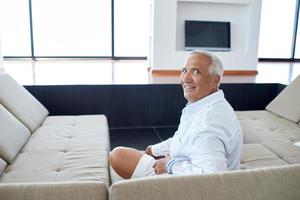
{"x": 217, "y": 80}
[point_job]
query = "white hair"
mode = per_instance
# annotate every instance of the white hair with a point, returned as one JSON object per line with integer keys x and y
{"x": 216, "y": 67}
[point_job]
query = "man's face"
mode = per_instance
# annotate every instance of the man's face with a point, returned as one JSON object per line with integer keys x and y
{"x": 195, "y": 78}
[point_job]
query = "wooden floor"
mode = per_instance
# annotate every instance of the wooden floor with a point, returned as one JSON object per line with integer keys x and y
{"x": 68, "y": 72}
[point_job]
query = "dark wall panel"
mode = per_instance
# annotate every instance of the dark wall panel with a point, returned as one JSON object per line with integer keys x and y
{"x": 248, "y": 96}
{"x": 124, "y": 106}
{"x": 141, "y": 105}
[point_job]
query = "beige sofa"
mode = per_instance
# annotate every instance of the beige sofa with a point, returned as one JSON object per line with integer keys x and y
{"x": 49, "y": 157}
{"x": 65, "y": 157}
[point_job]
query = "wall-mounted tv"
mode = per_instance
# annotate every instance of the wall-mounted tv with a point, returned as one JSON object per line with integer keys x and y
{"x": 207, "y": 35}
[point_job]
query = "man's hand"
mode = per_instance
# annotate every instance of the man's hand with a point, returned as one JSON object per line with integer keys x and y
{"x": 148, "y": 151}
{"x": 160, "y": 165}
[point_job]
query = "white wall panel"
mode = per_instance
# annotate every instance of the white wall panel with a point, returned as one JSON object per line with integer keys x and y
{"x": 167, "y": 46}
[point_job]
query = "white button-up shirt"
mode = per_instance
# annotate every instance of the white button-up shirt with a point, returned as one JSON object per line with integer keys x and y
{"x": 209, "y": 138}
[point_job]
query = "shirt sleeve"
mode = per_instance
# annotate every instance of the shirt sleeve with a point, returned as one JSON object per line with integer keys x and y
{"x": 207, "y": 156}
{"x": 161, "y": 149}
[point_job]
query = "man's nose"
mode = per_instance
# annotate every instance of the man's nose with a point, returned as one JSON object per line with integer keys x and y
{"x": 187, "y": 76}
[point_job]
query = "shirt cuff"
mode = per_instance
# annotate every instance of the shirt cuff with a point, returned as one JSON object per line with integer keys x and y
{"x": 155, "y": 150}
{"x": 173, "y": 161}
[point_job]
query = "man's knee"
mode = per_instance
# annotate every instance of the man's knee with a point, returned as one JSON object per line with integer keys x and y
{"x": 124, "y": 160}
{"x": 116, "y": 155}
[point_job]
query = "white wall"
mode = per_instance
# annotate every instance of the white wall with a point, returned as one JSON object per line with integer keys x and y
{"x": 167, "y": 31}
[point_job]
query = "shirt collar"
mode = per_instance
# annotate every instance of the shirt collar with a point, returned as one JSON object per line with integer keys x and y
{"x": 204, "y": 102}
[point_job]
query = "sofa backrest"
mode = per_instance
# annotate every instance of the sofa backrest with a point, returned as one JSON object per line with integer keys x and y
{"x": 2, "y": 166}
{"x": 13, "y": 135}
{"x": 276, "y": 183}
{"x": 17, "y": 100}
{"x": 287, "y": 103}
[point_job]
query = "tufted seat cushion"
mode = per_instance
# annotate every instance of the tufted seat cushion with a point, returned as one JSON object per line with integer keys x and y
{"x": 63, "y": 133}
{"x": 256, "y": 155}
{"x": 268, "y": 139}
{"x": 64, "y": 148}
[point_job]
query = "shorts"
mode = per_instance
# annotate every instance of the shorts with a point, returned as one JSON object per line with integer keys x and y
{"x": 144, "y": 167}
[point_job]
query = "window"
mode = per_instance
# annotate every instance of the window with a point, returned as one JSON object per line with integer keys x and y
{"x": 15, "y": 29}
{"x": 131, "y": 27}
{"x": 276, "y": 28}
{"x": 81, "y": 28}
{"x": 72, "y": 28}
{"x": 297, "y": 50}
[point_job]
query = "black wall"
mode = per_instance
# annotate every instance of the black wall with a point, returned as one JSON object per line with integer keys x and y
{"x": 142, "y": 105}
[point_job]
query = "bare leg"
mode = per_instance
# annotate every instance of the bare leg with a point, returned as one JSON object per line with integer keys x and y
{"x": 124, "y": 160}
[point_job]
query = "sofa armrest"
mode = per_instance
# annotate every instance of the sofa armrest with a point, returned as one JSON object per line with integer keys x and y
{"x": 258, "y": 184}
{"x": 58, "y": 191}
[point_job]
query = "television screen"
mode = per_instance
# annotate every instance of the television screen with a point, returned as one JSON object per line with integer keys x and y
{"x": 207, "y": 35}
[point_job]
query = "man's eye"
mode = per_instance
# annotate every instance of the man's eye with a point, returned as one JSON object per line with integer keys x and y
{"x": 195, "y": 71}
{"x": 184, "y": 70}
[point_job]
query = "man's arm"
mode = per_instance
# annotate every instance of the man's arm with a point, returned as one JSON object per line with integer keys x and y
{"x": 207, "y": 156}
{"x": 210, "y": 158}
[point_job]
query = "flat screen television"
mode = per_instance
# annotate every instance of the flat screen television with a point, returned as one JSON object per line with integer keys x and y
{"x": 207, "y": 35}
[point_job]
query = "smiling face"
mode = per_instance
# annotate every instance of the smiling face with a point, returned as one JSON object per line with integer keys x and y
{"x": 196, "y": 80}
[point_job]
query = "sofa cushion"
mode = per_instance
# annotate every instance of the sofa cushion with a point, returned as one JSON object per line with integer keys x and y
{"x": 286, "y": 151}
{"x": 261, "y": 126}
{"x": 256, "y": 155}
{"x": 55, "y": 166}
{"x": 63, "y": 133}
{"x": 2, "y": 166}
{"x": 268, "y": 139}
{"x": 21, "y": 103}
{"x": 64, "y": 148}
{"x": 13, "y": 135}
{"x": 75, "y": 132}
{"x": 287, "y": 103}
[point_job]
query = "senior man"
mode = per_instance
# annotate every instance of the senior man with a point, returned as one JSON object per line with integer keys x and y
{"x": 209, "y": 136}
